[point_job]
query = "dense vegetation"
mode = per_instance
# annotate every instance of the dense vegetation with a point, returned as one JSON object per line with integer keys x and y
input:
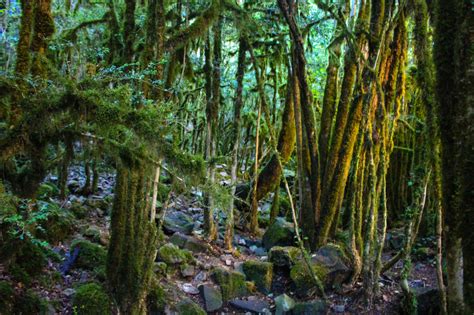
{"x": 313, "y": 155}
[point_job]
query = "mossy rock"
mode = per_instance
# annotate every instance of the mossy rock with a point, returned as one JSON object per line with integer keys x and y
{"x": 93, "y": 233}
{"x": 156, "y": 299}
{"x": 173, "y": 255}
{"x": 90, "y": 256}
{"x": 189, "y": 242}
{"x": 29, "y": 302}
{"x": 91, "y": 299}
{"x": 304, "y": 282}
{"x": 59, "y": 225}
{"x": 316, "y": 307}
{"x": 80, "y": 211}
{"x": 188, "y": 307}
{"x": 7, "y": 297}
{"x": 46, "y": 191}
{"x": 261, "y": 273}
{"x": 284, "y": 256}
{"x": 331, "y": 266}
{"x": 279, "y": 233}
{"x": 232, "y": 283}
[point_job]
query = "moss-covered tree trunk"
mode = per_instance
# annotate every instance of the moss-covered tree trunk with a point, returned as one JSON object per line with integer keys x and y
{"x": 453, "y": 59}
{"x": 133, "y": 243}
{"x": 23, "y": 59}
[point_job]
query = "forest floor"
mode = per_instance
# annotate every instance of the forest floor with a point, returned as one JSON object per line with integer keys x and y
{"x": 58, "y": 288}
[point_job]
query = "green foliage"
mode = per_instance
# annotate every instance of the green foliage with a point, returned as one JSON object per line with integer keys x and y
{"x": 91, "y": 299}
{"x": 46, "y": 191}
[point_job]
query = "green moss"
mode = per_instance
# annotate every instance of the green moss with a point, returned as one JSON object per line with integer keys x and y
{"x": 46, "y": 191}
{"x": 232, "y": 283}
{"x": 7, "y": 295}
{"x": 188, "y": 307}
{"x": 303, "y": 279}
{"x": 156, "y": 299}
{"x": 79, "y": 210}
{"x": 284, "y": 255}
{"x": 29, "y": 303}
{"x": 280, "y": 232}
{"x": 90, "y": 256}
{"x": 29, "y": 261}
{"x": 91, "y": 299}
{"x": 173, "y": 255}
{"x": 261, "y": 273}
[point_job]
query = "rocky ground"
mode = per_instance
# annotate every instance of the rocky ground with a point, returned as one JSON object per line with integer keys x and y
{"x": 263, "y": 275}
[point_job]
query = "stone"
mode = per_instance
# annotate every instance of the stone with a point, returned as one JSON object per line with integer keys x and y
{"x": 201, "y": 276}
{"x": 189, "y": 288}
{"x": 178, "y": 222}
{"x": 89, "y": 255}
{"x": 254, "y": 306}
{"x": 188, "y": 307}
{"x": 232, "y": 283}
{"x": 284, "y": 256}
{"x": 330, "y": 266}
{"x": 172, "y": 255}
{"x": 187, "y": 270}
{"x": 93, "y": 232}
{"x": 284, "y": 304}
{"x": 280, "y": 233}
{"x": 212, "y": 297}
{"x": 190, "y": 243}
{"x": 315, "y": 307}
{"x": 69, "y": 292}
{"x": 341, "y": 308}
{"x": 261, "y": 273}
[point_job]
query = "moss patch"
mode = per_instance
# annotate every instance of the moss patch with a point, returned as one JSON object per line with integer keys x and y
{"x": 91, "y": 256}
{"x": 261, "y": 273}
{"x": 91, "y": 299}
{"x": 232, "y": 283}
{"x": 188, "y": 307}
{"x": 303, "y": 280}
{"x": 172, "y": 255}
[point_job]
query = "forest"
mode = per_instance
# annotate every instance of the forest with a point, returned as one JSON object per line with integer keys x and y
{"x": 236, "y": 157}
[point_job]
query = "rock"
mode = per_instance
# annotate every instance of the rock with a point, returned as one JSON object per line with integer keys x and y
{"x": 201, "y": 276}
{"x": 93, "y": 232}
{"x": 279, "y": 233}
{"x": 172, "y": 255}
{"x": 98, "y": 203}
{"x": 160, "y": 268}
{"x": 69, "y": 292}
{"x": 189, "y": 288}
{"x": 284, "y": 304}
{"x": 188, "y": 307}
{"x": 190, "y": 243}
{"x": 316, "y": 307}
{"x": 261, "y": 273}
{"x": 428, "y": 302}
{"x": 232, "y": 283}
{"x": 284, "y": 256}
{"x": 178, "y": 222}
{"x": 212, "y": 297}
{"x": 339, "y": 308}
{"x": 254, "y": 306}
{"x": 187, "y": 270}
{"x": 330, "y": 266}
{"x": 73, "y": 185}
{"x": 90, "y": 256}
